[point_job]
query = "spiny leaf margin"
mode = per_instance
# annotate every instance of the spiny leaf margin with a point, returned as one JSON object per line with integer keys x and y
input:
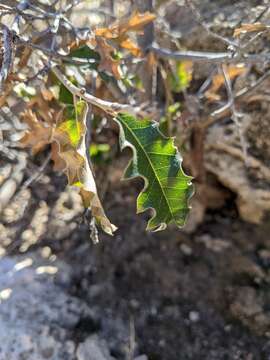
{"x": 142, "y": 136}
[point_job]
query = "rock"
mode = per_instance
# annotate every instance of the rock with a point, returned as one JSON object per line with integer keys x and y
{"x": 248, "y": 307}
{"x": 93, "y": 348}
{"x": 242, "y": 265}
{"x": 141, "y": 357}
{"x": 216, "y": 245}
{"x": 186, "y": 250}
{"x": 37, "y": 316}
{"x": 194, "y": 316}
{"x": 250, "y": 183}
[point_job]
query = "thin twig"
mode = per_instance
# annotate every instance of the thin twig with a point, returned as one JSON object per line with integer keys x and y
{"x": 109, "y": 107}
{"x": 215, "y": 115}
{"x": 211, "y": 57}
{"x": 7, "y": 54}
{"x": 54, "y": 54}
{"x": 245, "y": 47}
{"x": 206, "y": 83}
{"x": 85, "y": 148}
{"x": 245, "y": 91}
{"x": 262, "y": 13}
{"x": 235, "y": 115}
{"x": 147, "y": 73}
{"x": 196, "y": 56}
{"x": 37, "y": 174}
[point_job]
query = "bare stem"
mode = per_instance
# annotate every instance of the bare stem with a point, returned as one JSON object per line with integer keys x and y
{"x": 213, "y": 57}
{"x": 235, "y": 115}
{"x": 109, "y": 107}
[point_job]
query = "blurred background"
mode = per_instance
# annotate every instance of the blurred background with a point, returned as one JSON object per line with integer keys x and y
{"x": 200, "y": 292}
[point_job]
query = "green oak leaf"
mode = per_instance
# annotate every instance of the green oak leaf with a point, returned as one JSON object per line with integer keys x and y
{"x": 155, "y": 158}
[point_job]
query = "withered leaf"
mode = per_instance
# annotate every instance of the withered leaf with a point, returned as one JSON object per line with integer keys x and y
{"x": 73, "y": 150}
{"x": 218, "y": 80}
{"x": 39, "y": 133}
{"x": 247, "y": 28}
{"x": 69, "y": 153}
{"x": 134, "y": 23}
{"x": 107, "y": 63}
{"x": 59, "y": 163}
{"x": 132, "y": 47}
{"x": 119, "y": 30}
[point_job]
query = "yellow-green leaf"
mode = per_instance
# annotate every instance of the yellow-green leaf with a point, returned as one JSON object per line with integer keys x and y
{"x": 72, "y": 149}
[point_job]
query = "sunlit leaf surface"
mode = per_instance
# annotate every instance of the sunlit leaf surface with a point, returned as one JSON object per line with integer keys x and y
{"x": 155, "y": 158}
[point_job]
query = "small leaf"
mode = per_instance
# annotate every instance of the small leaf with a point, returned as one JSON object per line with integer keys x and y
{"x": 218, "y": 80}
{"x": 131, "y": 47}
{"x": 94, "y": 58}
{"x": 58, "y": 163}
{"x": 85, "y": 52}
{"x": 134, "y": 23}
{"x": 107, "y": 62}
{"x": 65, "y": 95}
{"x": 156, "y": 159}
{"x": 182, "y": 76}
{"x": 119, "y": 31}
{"x": 100, "y": 153}
{"x": 38, "y": 135}
{"x": 172, "y": 109}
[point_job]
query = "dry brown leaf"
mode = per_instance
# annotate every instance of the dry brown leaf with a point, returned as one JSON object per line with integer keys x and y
{"x": 107, "y": 63}
{"x": 218, "y": 80}
{"x": 69, "y": 155}
{"x": 78, "y": 43}
{"x": 78, "y": 170}
{"x": 39, "y": 134}
{"x": 79, "y": 174}
{"x": 74, "y": 165}
{"x": 247, "y": 28}
{"x": 119, "y": 30}
{"x": 42, "y": 107}
{"x": 108, "y": 33}
{"x": 132, "y": 47}
{"x": 58, "y": 163}
{"x": 135, "y": 23}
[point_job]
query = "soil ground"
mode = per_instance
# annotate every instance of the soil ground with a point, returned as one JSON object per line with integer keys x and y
{"x": 169, "y": 295}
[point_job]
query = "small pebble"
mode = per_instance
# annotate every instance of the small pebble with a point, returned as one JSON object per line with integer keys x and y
{"x": 194, "y": 316}
{"x": 186, "y": 250}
